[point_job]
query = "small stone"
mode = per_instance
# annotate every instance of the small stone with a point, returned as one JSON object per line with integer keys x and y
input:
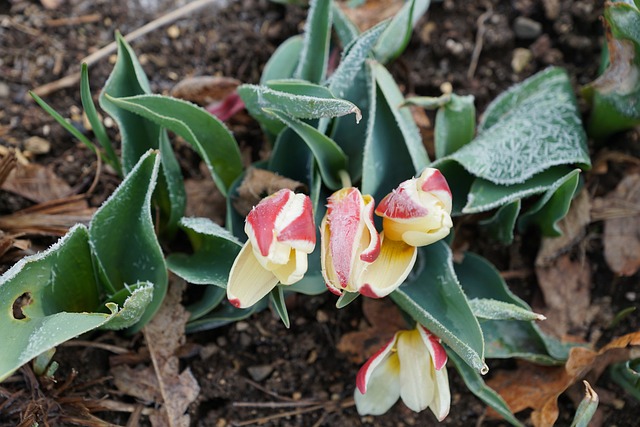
{"x": 5, "y": 91}
{"x": 221, "y": 341}
{"x": 245, "y": 340}
{"x": 173, "y": 32}
{"x": 259, "y": 373}
{"x": 242, "y": 326}
{"x": 454, "y": 47}
{"x": 296, "y": 395}
{"x": 322, "y": 316}
{"x": 526, "y": 28}
{"x": 37, "y": 145}
{"x": 520, "y": 60}
{"x": 631, "y": 296}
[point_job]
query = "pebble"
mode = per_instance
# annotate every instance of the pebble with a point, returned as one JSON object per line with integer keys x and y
{"x": 520, "y": 60}
{"x": 526, "y": 28}
{"x": 5, "y": 91}
{"x": 37, "y": 145}
{"x": 322, "y": 316}
{"x": 260, "y": 372}
{"x": 173, "y": 32}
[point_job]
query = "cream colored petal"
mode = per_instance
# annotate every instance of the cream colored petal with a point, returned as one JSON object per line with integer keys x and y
{"x": 421, "y": 238}
{"x": 249, "y": 282}
{"x": 294, "y": 270}
{"x": 442, "y": 396}
{"x": 389, "y": 270}
{"x": 417, "y": 387}
{"x": 383, "y": 388}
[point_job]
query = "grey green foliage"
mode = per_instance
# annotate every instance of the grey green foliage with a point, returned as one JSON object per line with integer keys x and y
{"x": 314, "y": 56}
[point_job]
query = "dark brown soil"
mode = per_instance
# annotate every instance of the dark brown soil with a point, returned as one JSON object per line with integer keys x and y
{"x": 235, "y": 39}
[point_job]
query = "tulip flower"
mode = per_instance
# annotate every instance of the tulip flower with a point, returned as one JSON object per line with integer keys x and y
{"x": 281, "y": 233}
{"x": 418, "y": 212}
{"x": 412, "y": 367}
{"x": 355, "y": 258}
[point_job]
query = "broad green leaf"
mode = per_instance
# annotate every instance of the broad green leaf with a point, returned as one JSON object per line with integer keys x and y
{"x": 397, "y": 35}
{"x": 434, "y": 298}
{"x": 128, "y": 79}
{"x": 214, "y": 251}
{"x": 488, "y": 308}
{"x": 353, "y": 58}
{"x": 48, "y": 319}
{"x": 96, "y": 124}
{"x": 529, "y": 128}
{"x": 276, "y": 296}
{"x": 283, "y": 61}
{"x": 207, "y": 135}
{"x": 587, "y": 408}
{"x": 123, "y": 239}
{"x": 138, "y": 298}
{"x": 346, "y": 298}
{"x": 615, "y": 95}
{"x": 485, "y": 195}
{"x": 627, "y": 376}
{"x": 234, "y": 222}
{"x": 317, "y": 102}
{"x": 455, "y": 125}
{"x": 552, "y": 206}
{"x": 172, "y": 197}
{"x": 460, "y": 182}
{"x": 314, "y": 57}
{"x": 506, "y": 338}
{"x": 211, "y": 298}
{"x": 345, "y": 29}
{"x": 477, "y": 386}
{"x": 501, "y": 225}
{"x": 289, "y": 145}
{"x": 64, "y": 123}
{"x": 223, "y": 315}
{"x": 330, "y": 157}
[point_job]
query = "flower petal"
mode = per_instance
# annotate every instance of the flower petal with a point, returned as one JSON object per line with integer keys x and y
{"x": 296, "y": 225}
{"x": 364, "y": 374}
{"x": 294, "y": 270}
{"x": 372, "y": 249}
{"x": 402, "y": 203}
{"x": 426, "y": 235}
{"x": 442, "y": 396}
{"x": 383, "y": 388}
{"x": 417, "y": 386}
{"x": 260, "y": 225}
{"x": 437, "y": 351}
{"x": 432, "y": 181}
{"x": 249, "y": 282}
{"x": 389, "y": 270}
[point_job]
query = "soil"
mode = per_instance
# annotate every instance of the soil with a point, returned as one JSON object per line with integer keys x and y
{"x": 243, "y": 367}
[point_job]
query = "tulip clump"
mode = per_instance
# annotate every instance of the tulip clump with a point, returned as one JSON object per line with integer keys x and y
{"x": 412, "y": 366}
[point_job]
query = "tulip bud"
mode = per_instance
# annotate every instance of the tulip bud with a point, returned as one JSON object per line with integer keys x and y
{"x": 418, "y": 212}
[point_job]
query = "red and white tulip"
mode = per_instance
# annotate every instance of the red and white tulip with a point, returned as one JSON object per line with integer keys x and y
{"x": 412, "y": 366}
{"x": 281, "y": 233}
{"x": 418, "y": 212}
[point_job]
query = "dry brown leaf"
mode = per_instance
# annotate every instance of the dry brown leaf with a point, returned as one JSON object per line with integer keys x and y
{"x": 566, "y": 286}
{"x": 205, "y": 90}
{"x": 384, "y": 320}
{"x": 164, "y": 335}
{"x": 573, "y": 227}
{"x": 37, "y": 183}
{"x": 371, "y": 12}
{"x": 140, "y": 383}
{"x": 538, "y": 387}
{"x": 7, "y": 164}
{"x": 204, "y": 199}
{"x": 259, "y": 183}
{"x": 622, "y": 229}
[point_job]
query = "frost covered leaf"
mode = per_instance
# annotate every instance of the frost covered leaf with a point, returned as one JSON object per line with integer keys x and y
{"x": 214, "y": 250}
{"x": 173, "y": 203}
{"x": 434, "y": 298}
{"x": 48, "y": 298}
{"x": 488, "y": 308}
{"x": 455, "y": 125}
{"x": 283, "y": 62}
{"x": 501, "y": 225}
{"x": 506, "y": 338}
{"x": 208, "y": 136}
{"x": 123, "y": 238}
{"x": 529, "y": 128}
{"x": 128, "y": 79}
{"x": 397, "y": 35}
{"x": 615, "y": 95}
{"x": 314, "y": 57}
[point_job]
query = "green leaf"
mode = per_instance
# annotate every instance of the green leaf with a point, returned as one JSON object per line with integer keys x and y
{"x": 138, "y": 299}
{"x": 587, "y": 408}
{"x": 501, "y": 225}
{"x": 223, "y": 315}
{"x": 627, "y": 376}
{"x": 289, "y": 145}
{"x": 277, "y": 300}
{"x": 552, "y": 206}
{"x": 208, "y": 301}
{"x": 123, "y": 239}
{"x": 455, "y": 125}
{"x": 485, "y": 195}
{"x": 128, "y": 79}
{"x": 488, "y": 308}
{"x": 397, "y": 35}
{"x": 529, "y": 128}
{"x": 214, "y": 251}
{"x": 315, "y": 49}
{"x": 331, "y": 159}
{"x": 47, "y": 317}
{"x": 386, "y": 160}
{"x": 172, "y": 197}
{"x": 353, "y": 58}
{"x": 506, "y": 338}
{"x": 434, "y": 298}
{"x": 283, "y": 62}
{"x": 345, "y": 29}
{"x": 99, "y": 130}
{"x": 477, "y": 386}
{"x": 64, "y": 123}
{"x": 207, "y": 135}
{"x": 346, "y": 298}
